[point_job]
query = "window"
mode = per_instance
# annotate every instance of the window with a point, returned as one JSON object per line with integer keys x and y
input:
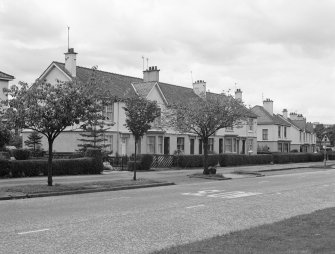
{"x": 286, "y": 150}
{"x": 285, "y": 132}
{"x": 280, "y": 147}
{"x": 250, "y": 124}
{"x": 108, "y": 143}
{"x": 230, "y": 145}
{"x": 192, "y": 146}
{"x": 211, "y": 145}
{"x": 151, "y": 141}
{"x": 107, "y": 113}
{"x": 157, "y": 121}
{"x": 220, "y": 145}
{"x": 279, "y": 131}
{"x": 180, "y": 144}
{"x": 160, "y": 144}
{"x": 229, "y": 128}
{"x": 265, "y": 134}
{"x": 250, "y": 145}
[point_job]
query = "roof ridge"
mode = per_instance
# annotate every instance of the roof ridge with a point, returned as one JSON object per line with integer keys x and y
{"x": 100, "y": 71}
{"x": 10, "y": 76}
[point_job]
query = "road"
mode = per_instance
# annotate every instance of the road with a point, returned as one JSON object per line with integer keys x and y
{"x": 143, "y": 220}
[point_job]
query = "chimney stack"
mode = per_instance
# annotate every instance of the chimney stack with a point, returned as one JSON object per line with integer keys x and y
{"x": 268, "y": 105}
{"x": 199, "y": 88}
{"x": 238, "y": 94}
{"x": 151, "y": 74}
{"x": 285, "y": 113}
{"x": 70, "y": 62}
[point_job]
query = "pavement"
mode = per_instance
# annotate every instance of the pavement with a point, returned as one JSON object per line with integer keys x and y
{"x": 166, "y": 175}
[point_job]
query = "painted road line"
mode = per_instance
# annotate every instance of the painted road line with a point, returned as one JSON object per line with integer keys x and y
{"x": 195, "y": 206}
{"x": 33, "y": 231}
{"x": 234, "y": 194}
{"x": 116, "y": 198}
{"x": 263, "y": 181}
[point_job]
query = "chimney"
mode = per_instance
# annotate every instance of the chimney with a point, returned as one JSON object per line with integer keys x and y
{"x": 199, "y": 88}
{"x": 238, "y": 94}
{"x": 285, "y": 113}
{"x": 293, "y": 116}
{"x": 268, "y": 105}
{"x": 151, "y": 74}
{"x": 70, "y": 62}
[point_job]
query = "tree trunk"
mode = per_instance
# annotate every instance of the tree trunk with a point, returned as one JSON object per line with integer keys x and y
{"x": 50, "y": 141}
{"x": 205, "y": 146}
{"x": 135, "y": 166}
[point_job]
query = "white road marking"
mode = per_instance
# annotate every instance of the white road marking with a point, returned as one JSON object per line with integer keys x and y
{"x": 34, "y": 231}
{"x": 116, "y": 198}
{"x": 263, "y": 181}
{"x": 326, "y": 185}
{"x": 221, "y": 194}
{"x": 195, "y": 206}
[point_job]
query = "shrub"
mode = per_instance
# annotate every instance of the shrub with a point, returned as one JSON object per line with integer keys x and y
{"x": 59, "y": 167}
{"x": 192, "y": 161}
{"x": 4, "y": 168}
{"x": 4, "y": 155}
{"x": 146, "y": 161}
{"x": 243, "y": 159}
{"x": 131, "y": 165}
{"x": 96, "y": 154}
{"x": 21, "y": 154}
{"x": 281, "y": 158}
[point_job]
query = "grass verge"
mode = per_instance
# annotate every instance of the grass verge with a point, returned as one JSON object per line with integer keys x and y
{"x": 210, "y": 176}
{"x": 310, "y": 233}
{"x": 39, "y": 188}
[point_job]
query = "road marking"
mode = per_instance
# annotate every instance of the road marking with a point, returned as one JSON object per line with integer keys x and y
{"x": 263, "y": 181}
{"x": 34, "y": 231}
{"x": 116, "y": 198}
{"x": 221, "y": 194}
{"x": 195, "y": 206}
{"x": 325, "y": 185}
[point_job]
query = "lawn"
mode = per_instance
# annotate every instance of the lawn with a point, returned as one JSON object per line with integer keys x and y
{"x": 311, "y": 233}
{"x": 43, "y": 188}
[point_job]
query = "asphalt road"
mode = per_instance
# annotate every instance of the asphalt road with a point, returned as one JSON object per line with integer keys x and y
{"x": 143, "y": 220}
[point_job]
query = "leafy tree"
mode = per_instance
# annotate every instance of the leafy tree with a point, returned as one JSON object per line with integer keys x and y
{"x": 4, "y": 136}
{"x": 34, "y": 140}
{"x": 49, "y": 109}
{"x": 205, "y": 115}
{"x": 331, "y": 134}
{"x": 140, "y": 113}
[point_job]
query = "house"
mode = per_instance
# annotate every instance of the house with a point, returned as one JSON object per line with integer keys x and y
{"x": 4, "y": 81}
{"x": 273, "y": 133}
{"x": 280, "y": 133}
{"x": 302, "y": 133}
{"x": 158, "y": 140}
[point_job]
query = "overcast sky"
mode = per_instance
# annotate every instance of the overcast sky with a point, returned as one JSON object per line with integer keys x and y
{"x": 283, "y": 50}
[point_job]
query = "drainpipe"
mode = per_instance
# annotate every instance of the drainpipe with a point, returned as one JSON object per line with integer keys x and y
{"x": 118, "y": 128}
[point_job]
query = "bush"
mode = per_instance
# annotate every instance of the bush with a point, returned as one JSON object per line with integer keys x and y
{"x": 131, "y": 165}
{"x": 243, "y": 159}
{"x": 194, "y": 161}
{"x": 4, "y": 155}
{"x": 4, "y": 168}
{"x": 146, "y": 161}
{"x": 37, "y": 153}
{"x": 21, "y": 154}
{"x": 281, "y": 158}
{"x": 59, "y": 167}
{"x": 96, "y": 154}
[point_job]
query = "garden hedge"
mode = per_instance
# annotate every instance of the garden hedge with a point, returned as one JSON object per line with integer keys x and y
{"x": 194, "y": 161}
{"x": 143, "y": 162}
{"x": 242, "y": 159}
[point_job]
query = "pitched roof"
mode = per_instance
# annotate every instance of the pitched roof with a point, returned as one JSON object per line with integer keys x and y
{"x": 265, "y": 118}
{"x": 302, "y": 125}
{"x": 123, "y": 86}
{"x": 5, "y": 76}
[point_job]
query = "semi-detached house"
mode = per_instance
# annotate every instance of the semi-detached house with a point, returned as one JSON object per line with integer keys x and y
{"x": 158, "y": 140}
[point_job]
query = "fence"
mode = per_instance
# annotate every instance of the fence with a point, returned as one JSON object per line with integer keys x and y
{"x": 162, "y": 161}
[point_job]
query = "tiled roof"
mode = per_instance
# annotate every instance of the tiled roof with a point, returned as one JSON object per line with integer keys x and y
{"x": 123, "y": 86}
{"x": 302, "y": 125}
{"x": 5, "y": 76}
{"x": 265, "y": 118}
{"x": 119, "y": 85}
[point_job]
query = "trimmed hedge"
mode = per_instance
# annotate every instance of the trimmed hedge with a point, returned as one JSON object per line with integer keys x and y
{"x": 243, "y": 159}
{"x": 195, "y": 161}
{"x": 78, "y": 166}
{"x": 281, "y": 158}
{"x": 143, "y": 162}
{"x": 4, "y": 168}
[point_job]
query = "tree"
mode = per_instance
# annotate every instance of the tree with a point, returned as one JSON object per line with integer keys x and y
{"x": 49, "y": 109}
{"x": 94, "y": 137}
{"x": 34, "y": 140}
{"x": 140, "y": 113}
{"x": 205, "y": 115}
{"x": 4, "y": 136}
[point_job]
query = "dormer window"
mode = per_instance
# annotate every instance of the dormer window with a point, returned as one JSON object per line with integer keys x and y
{"x": 108, "y": 113}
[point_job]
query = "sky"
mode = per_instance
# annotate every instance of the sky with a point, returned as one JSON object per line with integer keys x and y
{"x": 283, "y": 50}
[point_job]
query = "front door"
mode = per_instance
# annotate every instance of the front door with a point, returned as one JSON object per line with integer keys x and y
{"x": 166, "y": 145}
